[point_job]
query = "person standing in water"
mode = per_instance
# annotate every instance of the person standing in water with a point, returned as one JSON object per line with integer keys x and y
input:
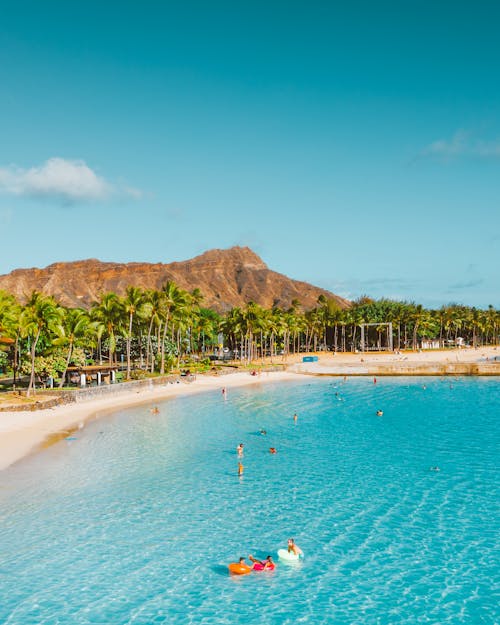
{"x": 240, "y": 469}
{"x": 239, "y": 450}
{"x": 295, "y": 418}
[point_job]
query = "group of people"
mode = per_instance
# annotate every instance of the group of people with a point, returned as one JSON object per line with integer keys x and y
{"x": 262, "y": 432}
{"x": 268, "y": 564}
{"x": 259, "y": 565}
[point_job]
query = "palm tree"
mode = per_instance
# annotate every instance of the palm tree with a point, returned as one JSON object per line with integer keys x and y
{"x": 132, "y": 303}
{"x": 75, "y": 328}
{"x": 40, "y": 314}
{"x": 173, "y": 298}
{"x": 10, "y": 311}
{"x": 151, "y": 310}
{"x": 108, "y": 313}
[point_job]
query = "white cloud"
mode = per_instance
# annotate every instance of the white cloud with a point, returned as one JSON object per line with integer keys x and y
{"x": 462, "y": 144}
{"x": 58, "y": 178}
{"x": 448, "y": 147}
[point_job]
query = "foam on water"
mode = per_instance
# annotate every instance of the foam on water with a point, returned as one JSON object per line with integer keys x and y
{"x": 136, "y": 520}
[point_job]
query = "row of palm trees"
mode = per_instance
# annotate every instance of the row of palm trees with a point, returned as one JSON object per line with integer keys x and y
{"x": 154, "y": 329}
{"x": 254, "y": 332}
{"x": 149, "y": 326}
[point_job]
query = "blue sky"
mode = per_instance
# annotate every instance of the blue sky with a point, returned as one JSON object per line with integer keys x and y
{"x": 352, "y": 145}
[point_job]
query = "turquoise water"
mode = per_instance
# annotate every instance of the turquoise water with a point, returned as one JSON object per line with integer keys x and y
{"x": 136, "y": 520}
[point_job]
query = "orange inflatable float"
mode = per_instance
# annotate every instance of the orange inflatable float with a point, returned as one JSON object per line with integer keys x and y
{"x": 239, "y": 569}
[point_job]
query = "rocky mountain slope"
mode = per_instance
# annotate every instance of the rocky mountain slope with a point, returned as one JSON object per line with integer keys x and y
{"x": 226, "y": 278}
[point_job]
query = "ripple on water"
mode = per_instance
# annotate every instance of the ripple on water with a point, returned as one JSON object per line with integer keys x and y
{"x": 136, "y": 520}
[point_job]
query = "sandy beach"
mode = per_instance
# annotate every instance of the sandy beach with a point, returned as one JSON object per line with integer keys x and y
{"x": 22, "y": 433}
{"x": 481, "y": 361}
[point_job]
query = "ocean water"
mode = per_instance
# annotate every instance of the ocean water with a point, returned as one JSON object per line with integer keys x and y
{"x": 135, "y": 521}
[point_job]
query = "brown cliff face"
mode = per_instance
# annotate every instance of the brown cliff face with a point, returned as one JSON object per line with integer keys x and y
{"x": 226, "y": 278}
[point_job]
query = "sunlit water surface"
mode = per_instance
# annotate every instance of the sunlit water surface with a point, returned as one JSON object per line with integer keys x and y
{"x": 136, "y": 520}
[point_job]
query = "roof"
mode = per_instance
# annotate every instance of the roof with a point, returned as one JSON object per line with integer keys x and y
{"x": 90, "y": 368}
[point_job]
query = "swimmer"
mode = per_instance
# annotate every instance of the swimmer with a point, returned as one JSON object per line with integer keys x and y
{"x": 262, "y": 565}
{"x": 155, "y": 410}
{"x": 295, "y": 418}
{"x": 435, "y": 469}
{"x": 380, "y": 413}
{"x": 293, "y": 548}
{"x": 272, "y": 450}
{"x": 240, "y": 469}
{"x": 224, "y": 392}
{"x": 374, "y": 380}
{"x": 263, "y": 432}
{"x": 239, "y": 449}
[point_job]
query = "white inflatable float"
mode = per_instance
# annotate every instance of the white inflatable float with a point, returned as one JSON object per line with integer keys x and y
{"x": 289, "y": 556}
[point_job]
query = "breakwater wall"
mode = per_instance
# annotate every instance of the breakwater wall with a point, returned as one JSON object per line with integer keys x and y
{"x": 401, "y": 369}
{"x": 51, "y": 397}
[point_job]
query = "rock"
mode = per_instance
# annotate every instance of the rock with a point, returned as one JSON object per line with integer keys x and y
{"x": 226, "y": 278}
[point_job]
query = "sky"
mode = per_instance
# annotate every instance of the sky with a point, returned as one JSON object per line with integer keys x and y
{"x": 353, "y": 145}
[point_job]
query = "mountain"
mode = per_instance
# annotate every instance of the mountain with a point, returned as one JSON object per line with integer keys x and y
{"x": 226, "y": 278}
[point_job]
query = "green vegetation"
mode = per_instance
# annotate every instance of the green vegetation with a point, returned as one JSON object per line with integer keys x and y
{"x": 152, "y": 332}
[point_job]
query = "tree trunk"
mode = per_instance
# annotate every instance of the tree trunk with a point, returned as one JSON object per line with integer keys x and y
{"x": 68, "y": 359}
{"x": 15, "y": 363}
{"x": 32, "y": 374}
{"x": 129, "y": 340}
{"x": 162, "y": 366}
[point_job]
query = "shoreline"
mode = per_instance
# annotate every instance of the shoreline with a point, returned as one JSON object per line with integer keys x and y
{"x": 24, "y": 433}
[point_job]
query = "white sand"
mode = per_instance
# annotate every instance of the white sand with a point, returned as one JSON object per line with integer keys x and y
{"x": 24, "y": 432}
{"x": 406, "y": 362}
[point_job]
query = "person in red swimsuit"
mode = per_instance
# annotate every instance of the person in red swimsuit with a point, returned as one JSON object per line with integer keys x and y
{"x": 262, "y": 565}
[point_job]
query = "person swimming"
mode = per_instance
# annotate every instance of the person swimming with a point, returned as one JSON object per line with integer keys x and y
{"x": 293, "y": 548}
{"x": 262, "y": 565}
{"x": 380, "y": 413}
{"x": 272, "y": 450}
{"x": 263, "y": 432}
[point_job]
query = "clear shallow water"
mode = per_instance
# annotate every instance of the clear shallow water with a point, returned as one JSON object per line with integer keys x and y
{"x": 136, "y": 520}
